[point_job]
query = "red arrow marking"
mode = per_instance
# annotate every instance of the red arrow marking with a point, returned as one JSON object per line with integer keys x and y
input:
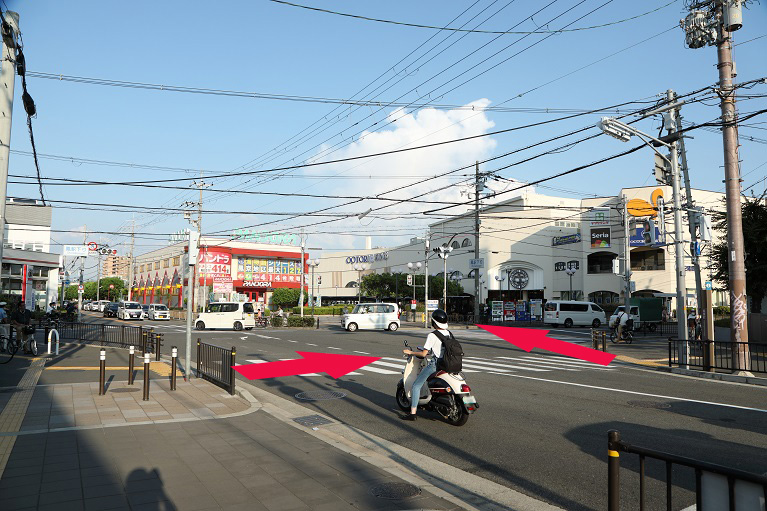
{"x": 330, "y": 363}
{"x": 529, "y": 338}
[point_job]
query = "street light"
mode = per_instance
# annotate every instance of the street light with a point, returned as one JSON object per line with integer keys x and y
{"x": 499, "y": 279}
{"x": 571, "y": 272}
{"x": 443, "y": 251}
{"x": 360, "y": 268}
{"x": 313, "y": 263}
{"x": 414, "y": 267}
{"x": 623, "y": 132}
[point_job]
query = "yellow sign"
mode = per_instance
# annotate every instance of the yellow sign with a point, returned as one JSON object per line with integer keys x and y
{"x": 640, "y": 207}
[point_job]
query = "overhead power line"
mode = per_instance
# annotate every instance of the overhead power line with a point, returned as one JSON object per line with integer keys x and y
{"x": 472, "y": 31}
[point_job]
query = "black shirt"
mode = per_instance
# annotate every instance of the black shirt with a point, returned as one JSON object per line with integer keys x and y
{"x": 22, "y": 316}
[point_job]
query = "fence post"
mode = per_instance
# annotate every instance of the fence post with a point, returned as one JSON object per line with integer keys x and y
{"x": 102, "y": 370}
{"x": 231, "y": 370}
{"x": 173, "y": 358}
{"x": 146, "y": 376}
{"x": 103, "y": 333}
{"x": 613, "y": 471}
{"x": 131, "y": 361}
{"x": 593, "y": 339}
{"x": 604, "y": 341}
{"x": 122, "y": 334}
{"x": 157, "y": 345}
{"x": 189, "y": 370}
{"x": 669, "y": 351}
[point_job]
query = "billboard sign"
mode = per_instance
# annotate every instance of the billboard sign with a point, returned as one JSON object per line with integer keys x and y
{"x": 599, "y": 216}
{"x": 565, "y": 240}
{"x": 75, "y": 251}
{"x": 600, "y": 237}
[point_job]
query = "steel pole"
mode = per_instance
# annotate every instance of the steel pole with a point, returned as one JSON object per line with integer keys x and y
{"x": 477, "y": 290}
{"x": 301, "y": 296}
{"x": 426, "y": 284}
{"x": 7, "y": 81}
{"x": 444, "y": 279}
{"x": 735, "y": 245}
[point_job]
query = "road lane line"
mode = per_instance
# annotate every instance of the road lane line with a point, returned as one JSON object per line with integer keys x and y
{"x": 310, "y": 344}
{"x": 724, "y": 405}
{"x": 360, "y": 352}
{"x": 266, "y": 337}
{"x": 473, "y": 359}
{"x": 292, "y": 341}
{"x": 389, "y": 364}
{"x": 333, "y": 348}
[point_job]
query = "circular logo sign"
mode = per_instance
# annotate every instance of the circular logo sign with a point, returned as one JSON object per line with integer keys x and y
{"x": 93, "y": 246}
{"x": 519, "y": 278}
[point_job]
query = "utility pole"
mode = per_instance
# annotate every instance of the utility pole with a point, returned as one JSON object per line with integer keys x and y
{"x": 712, "y": 23}
{"x": 301, "y": 295}
{"x": 7, "y": 81}
{"x": 425, "y": 284}
{"x": 130, "y": 261}
{"x": 98, "y": 273}
{"x": 192, "y": 252}
{"x": 693, "y": 219}
{"x": 626, "y": 253}
{"x": 81, "y": 283}
{"x": 477, "y": 189}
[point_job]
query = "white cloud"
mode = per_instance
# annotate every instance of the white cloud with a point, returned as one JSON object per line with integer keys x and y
{"x": 423, "y": 127}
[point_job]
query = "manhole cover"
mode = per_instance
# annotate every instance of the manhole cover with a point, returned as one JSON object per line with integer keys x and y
{"x": 319, "y": 395}
{"x": 313, "y": 420}
{"x": 395, "y": 491}
{"x": 649, "y": 404}
{"x": 124, "y": 390}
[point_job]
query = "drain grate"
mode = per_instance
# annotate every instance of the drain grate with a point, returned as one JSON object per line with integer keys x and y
{"x": 125, "y": 389}
{"x": 313, "y": 420}
{"x": 658, "y": 405}
{"x": 319, "y": 395}
{"x": 395, "y": 491}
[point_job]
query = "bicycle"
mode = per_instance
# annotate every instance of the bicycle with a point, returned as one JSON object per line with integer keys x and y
{"x": 627, "y": 335}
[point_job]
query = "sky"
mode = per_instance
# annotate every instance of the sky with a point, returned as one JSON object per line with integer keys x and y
{"x": 264, "y": 47}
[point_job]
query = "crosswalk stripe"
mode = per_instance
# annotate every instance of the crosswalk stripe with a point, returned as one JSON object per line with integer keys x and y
{"x": 377, "y": 370}
{"x": 472, "y": 364}
{"x": 568, "y": 363}
{"x": 401, "y": 361}
{"x": 389, "y": 364}
{"x": 307, "y": 374}
{"x": 521, "y": 361}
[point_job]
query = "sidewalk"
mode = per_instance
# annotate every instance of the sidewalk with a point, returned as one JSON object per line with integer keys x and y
{"x": 64, "y": 447}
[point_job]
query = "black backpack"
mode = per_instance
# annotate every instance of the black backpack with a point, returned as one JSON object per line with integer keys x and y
{"x": 451, "y": 360}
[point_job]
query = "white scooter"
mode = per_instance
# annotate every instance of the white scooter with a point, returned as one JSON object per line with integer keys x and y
{"x": 445, "y": 393}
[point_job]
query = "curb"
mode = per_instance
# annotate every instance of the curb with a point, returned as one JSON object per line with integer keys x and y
{"x": 462, "y": 488}
{"x": 732, "y": 378}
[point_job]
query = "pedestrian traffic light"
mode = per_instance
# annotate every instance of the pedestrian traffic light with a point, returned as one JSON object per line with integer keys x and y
{"x": 319, "y": 279}
{"x": 649, "y": 232}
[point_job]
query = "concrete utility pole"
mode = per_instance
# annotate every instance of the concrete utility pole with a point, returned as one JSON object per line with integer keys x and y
{"x": 7, "y": 81}
{"x": 626, "y": 253}
{"x": 693, "y": 219}
{"x": 477, "y": 189}
{"x": 130, "y": 261}
{"x": 81, "y": 281}
{"x": 192, "y": 250}
{"x": 301, "y": 295}
{"x": 426, "y": 284}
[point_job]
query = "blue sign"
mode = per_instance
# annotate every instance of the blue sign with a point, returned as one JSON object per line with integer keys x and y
{"x": 709, "y": 287}
{"x": 637, "y": 236}
{"x": 565, "y": 240}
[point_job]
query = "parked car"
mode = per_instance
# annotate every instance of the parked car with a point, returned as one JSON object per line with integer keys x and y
{"x": 129, "y": 310}
{"x": 110, "y": 310}
{"x": 101, "y": 305}
{"x": 235, "y": 315}
{"x": 159, "y": 311}
{"x": 633, "y": 314}
{"x": 144, "y": 311}
{"x": 372, "y": 316}
{"x": 86, "y": 306}
{"x": 571, "y": 313}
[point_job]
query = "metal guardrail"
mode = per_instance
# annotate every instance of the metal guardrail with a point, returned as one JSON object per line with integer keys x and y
{"x": 104, "y": 334}
{"x": 214, "y": 364}
{"x": 716, "y": 487}
{"x": 712, "y": 355}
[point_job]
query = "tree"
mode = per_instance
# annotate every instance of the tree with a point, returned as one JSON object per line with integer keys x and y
{"x": 286, "y": 298}
{"x": 754, "y": 211}
{"x": 384, "y": 285}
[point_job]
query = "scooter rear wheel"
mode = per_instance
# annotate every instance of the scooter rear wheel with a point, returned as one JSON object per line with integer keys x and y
{"x": 402, "y": 401}
{"x": 459, "y": 418}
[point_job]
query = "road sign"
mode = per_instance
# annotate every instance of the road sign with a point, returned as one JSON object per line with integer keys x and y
{"x": 432, "y": 305}
{"x": 477, "y": 263}
{"x": 80, "y": 288}
{"x": 75, "y": 251}
{"x": 709, "y": 286}
{"x": 409, "y": 280}
{"x": 93, "y": 246}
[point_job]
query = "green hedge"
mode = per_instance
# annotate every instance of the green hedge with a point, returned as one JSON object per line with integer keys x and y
{"x": 725, "y": 322}
{"x": 298, "y": 321}
{"x": 333, "y": 310}
{"x": 276, "y": 320}
{"x": 722, "y": 310}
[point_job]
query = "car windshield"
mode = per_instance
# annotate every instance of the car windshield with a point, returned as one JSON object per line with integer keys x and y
{"x": 132, "y": 305}
{"x": 160, "y": 308}
{"x": 145, "y": 307}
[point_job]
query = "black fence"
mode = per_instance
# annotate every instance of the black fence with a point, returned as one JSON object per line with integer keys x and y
{"x": 725, "y": 355}
{"x": 214, "y": 364}
{"x": 103, "y": 334}
{"x": 716, "y": 486}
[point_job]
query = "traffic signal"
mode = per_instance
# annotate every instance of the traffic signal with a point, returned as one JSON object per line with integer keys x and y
{"x": 649, "y": 232}
{"x": 319, "y": 279}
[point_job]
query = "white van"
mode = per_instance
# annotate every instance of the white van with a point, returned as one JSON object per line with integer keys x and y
{"x": 236, "y": 315}
{"x": 158, "y": 311}
{"x": 372, "y": 316}
{"x": 129, "y": 310}
{"x": 570, "y": 313}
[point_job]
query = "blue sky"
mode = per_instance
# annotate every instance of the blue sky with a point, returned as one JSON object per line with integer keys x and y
{"x": 261, "y": 46}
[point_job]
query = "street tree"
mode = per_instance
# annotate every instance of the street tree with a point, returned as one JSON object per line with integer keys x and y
{"x": 286, "y": 298}
{"x": 754, "y": 210}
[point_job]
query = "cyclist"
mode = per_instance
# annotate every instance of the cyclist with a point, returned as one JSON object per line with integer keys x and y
{"x": 620, "y": 323}
{"x": 692, "y": 321}
{"x": 21, "y": 319}
{"x": 5, "y": 332}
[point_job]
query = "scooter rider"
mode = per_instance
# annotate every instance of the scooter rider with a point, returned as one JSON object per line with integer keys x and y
{"x": 433, "y": 344}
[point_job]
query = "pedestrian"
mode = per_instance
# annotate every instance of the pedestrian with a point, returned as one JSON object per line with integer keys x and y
{"x": 21, "y": 319}
{"x": 692, "y": 320}
{"x": 4, "y": 328}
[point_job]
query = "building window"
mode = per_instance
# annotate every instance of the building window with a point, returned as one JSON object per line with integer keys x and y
{"x": 455, "y": 244}
{"x": 141, "y": 269}
{"x": 604, "y": 297}
{"x": 157, "y": 265}
{"x": 648, "y": 259}
{"x": 166, "y": 263}
{"x": 601, "y": 262}
{"x": 466, "y": 242}
{"x": 563, "y": 223}
{"x": 177, "y": 261}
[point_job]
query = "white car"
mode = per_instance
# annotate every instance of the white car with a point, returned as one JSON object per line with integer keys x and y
{"x": 234, "y": 315}
{"x": 571, "y": 313}
{"x": 158, "y": 311}
{"x": 87, "y": 306}
{"x": 633, "y": 314}
{"x": 372, "y": 316}
{"x": 129, "y": 310}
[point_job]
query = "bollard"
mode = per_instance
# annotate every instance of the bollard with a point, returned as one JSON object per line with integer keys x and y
{"x": 189, "y": 372}
{"x": 173, "y": 358}
{"x": 47, "y": 332}
{"x": 146, "y": 376}
{"x": 143, "y": 342}
{"x": 157, "y": 344}
{"x": 232, "y": 363}
{"x": 613, "y": 471}
{"x": 593, "y": 339}
{"x": 604, "y": 341}
{"x": 131, "y": 356}
{"x": 318, "y": 322}
{"x": 102, "y": 370}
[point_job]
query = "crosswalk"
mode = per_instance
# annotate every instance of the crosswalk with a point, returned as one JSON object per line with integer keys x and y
{"x": 523, "y": 364}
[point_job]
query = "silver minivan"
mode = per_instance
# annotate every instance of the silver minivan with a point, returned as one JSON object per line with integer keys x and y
{"x": 571, "y": 313}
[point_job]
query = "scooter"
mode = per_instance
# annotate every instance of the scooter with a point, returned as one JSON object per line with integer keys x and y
{"x": 444, "y": 393}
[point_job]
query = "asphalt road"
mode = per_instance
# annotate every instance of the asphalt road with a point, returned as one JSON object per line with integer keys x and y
{"x": 542, "y": 424}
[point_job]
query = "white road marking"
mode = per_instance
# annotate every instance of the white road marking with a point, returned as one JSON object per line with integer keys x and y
{"x": 473, "y": 365}
{"x": 333, "y": 348}
{"x": 571, "y": 362}
{"x": 245, "y": 338}
{"x": 310, "y": 344}
{"x": 570, "y": 332}
{"x": 389, "y": 364}
{"x": 292, "y": 341}
{"x": 377, "y": 370}
{"x": 266, "y": 337}
{"x": 360, "y": 352}
{"x": 724, "y": 405}
{"x": 483, "y": 361}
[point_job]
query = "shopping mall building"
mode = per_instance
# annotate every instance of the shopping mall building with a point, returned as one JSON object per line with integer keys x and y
{"x": 527, "y": 246}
